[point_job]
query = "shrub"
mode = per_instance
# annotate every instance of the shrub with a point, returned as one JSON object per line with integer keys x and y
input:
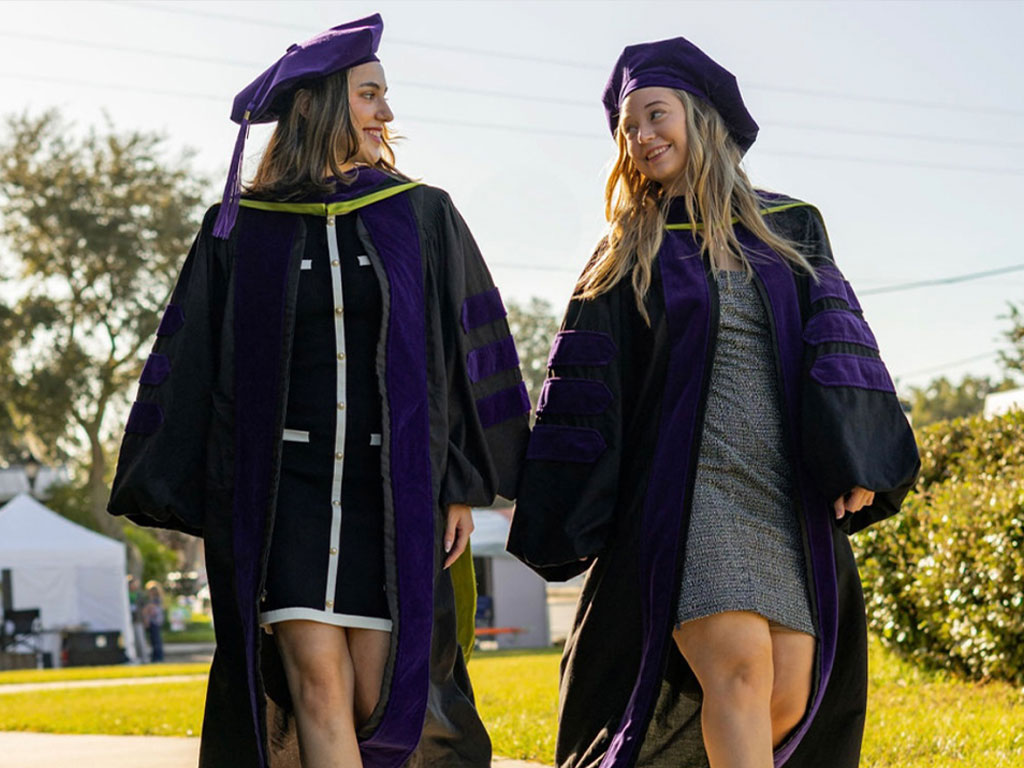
{"x": 944, "y": 580}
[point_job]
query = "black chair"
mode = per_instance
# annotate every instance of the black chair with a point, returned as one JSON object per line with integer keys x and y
{"x": 20, "y": 630}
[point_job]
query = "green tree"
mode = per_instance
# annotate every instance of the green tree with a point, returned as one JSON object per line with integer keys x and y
{"x": 534, "y": 327}
{"x": 96, "y": 224}
{"x": 941, "y": 399}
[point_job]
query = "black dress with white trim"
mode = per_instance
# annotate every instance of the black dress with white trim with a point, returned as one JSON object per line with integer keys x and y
{"x": 326, "y": 559}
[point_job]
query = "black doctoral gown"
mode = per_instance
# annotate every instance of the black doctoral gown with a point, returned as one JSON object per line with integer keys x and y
{"x": 608, "y": 484}
{"x": 202, "y": 450}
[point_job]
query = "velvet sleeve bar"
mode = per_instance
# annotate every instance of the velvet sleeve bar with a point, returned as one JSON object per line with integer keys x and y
{"x": 853, "y": 429}
{"x": 488, "y": 406}
{"x": 161, "y": 469}
{"x": 569, "y": 486}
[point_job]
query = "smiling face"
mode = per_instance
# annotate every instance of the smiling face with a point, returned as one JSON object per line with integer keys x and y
{"x": 369, "y": 110}
{"x": 653, "y": 121}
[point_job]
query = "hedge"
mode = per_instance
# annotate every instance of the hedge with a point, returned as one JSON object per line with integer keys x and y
{"x": 944, "y": 579}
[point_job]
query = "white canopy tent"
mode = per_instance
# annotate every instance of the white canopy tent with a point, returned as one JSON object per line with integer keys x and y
{"x": 74, "y": 576}
{"x": 519, "y": 595}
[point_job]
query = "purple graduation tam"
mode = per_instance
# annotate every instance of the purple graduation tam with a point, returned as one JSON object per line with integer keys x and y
{"x": 678, "y": 63}
{"x": 267, "y": 97}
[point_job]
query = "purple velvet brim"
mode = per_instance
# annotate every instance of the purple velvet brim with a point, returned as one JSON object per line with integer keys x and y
{"x": 156, "y": 370}
{"x": 583, "y": 397}
{"x": 172, "y": 321}
{"x": 495, "y": 357}
{"x": 553, "y": 442}
{"x": 582, "y": 348}
{"x": 845, "y": 370}
{"x": 481, "y": 309}
{"x": 839, "y": 325}
{"x": 144, "y": 419}
{"x": 503, "y": 405}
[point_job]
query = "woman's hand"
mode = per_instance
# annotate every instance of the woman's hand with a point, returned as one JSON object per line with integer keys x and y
{"x": 854, "y": 501}
{"x": 456, "y": 534}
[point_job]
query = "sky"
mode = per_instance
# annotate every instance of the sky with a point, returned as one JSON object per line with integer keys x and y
{"x": 902, "y": 121}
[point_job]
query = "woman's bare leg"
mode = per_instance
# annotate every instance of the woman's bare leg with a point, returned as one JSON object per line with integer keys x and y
{"x": 793, "y": 661}
{"x": 731, "y": 656}
{"x": 369, "y": 651}
{"x": 321, "y": 679}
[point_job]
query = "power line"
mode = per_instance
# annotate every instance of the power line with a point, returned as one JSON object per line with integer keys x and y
{"x": 521, "y": 129}
{"x": 576, "y": 64}
{"x": 533, "y": 267}
{"x": 952, "y": 364}
{"x": 501, "y": 94}
{"x": 942, "y": 280}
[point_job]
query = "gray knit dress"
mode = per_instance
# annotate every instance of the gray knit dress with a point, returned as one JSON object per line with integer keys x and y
{"x": 744, "y": 549}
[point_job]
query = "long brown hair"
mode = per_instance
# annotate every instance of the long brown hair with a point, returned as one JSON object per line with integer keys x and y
{"x": 716, "y": 192}
{"x": 314, "y": 133}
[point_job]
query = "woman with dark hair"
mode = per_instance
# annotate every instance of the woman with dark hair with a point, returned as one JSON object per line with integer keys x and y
{"x": 716, "y": 420}
{"x": 332, "y": 386}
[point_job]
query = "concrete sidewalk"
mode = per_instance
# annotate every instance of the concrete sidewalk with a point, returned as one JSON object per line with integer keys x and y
{"x": 48, "y": 750}
{"x": 98, "y": 683}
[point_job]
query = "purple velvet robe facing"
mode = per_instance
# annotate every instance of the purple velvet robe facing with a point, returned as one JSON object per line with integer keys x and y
{"x": 202, "y": 454}
{"x": 609, "y": 477}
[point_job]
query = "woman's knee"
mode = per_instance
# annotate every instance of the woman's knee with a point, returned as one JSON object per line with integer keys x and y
{"x": 320, "y": 694}
{"x": 789, "y": 705}
{"x": 730, "y": 656}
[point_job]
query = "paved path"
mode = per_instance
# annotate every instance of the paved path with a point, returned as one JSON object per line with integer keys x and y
{"x": 97, "y": 683}
{"x": 47, "y": 750}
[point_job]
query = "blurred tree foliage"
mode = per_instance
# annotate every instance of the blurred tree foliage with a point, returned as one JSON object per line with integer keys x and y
{"x": 941, "y": 399}
{"x": 944, "y": 579}
{"x": 534, "y": 327}
{"x": 95, "y": 225}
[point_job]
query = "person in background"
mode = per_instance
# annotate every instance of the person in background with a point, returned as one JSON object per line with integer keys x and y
{"x": 153, "y": 614}
{"x": 137, "y": 600}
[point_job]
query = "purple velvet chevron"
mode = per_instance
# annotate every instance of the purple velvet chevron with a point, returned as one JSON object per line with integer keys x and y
{"x": 830, "y": 285}
{"x": 554, "y": 442}
{"x": 845, "y": 370}
{"x": 839, "y": 325}
{"x": 144, "y": 419}
{"x": 503, "y": 405}
{"x": 582, "y": 348}
{"x": 583, "y": 397}
{"x": 495, "y": 357}
{"x": 156, "y": 370}
{"x": 481, "y": 309}
{"x": 172, "y": 321}
{"x": 851, "y": 297}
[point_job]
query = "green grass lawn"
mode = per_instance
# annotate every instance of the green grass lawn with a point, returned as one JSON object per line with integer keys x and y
{"x": 916, "y": 719}
{"x": 194, "y": 632}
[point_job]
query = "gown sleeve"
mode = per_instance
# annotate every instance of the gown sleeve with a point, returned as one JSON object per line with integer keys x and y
{"x": 569, "y": 487}
{"x": 161, "y": 469}
{"x": 488, "y": 405}
{"x": 854, "y": 431}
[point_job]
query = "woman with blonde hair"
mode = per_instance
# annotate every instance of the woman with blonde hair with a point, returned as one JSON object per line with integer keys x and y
{"x": 716, "y": 420}
{"x": 332, "y": 386}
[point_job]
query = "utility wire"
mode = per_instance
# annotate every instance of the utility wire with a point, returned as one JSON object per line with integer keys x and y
{"x": 500, "y": 94}
{"x": 942, "y": 280}
{"x": 952, "y": 364}
{"x": 575, "y": 64}
{"x": 520, "y": 129}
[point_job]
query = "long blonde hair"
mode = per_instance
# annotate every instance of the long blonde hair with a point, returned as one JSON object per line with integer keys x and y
{"x": 716, "y": 192}
{"x": 304, "y": 145}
